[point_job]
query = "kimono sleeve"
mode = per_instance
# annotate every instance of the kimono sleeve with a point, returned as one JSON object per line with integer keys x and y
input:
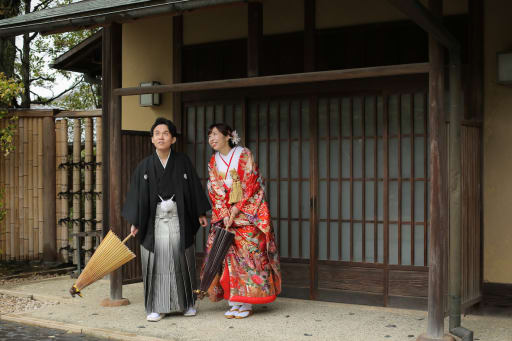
{"x": 135, "y": 209}
{"x": 199, "y": 201}
{"x": 252, "y": 185}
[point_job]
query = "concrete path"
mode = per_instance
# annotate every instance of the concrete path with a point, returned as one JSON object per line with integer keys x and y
{"x": 285, "y": 319}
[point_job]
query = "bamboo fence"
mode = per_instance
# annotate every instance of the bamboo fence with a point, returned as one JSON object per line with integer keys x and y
{"x": 78, "y": 187}
{"x": 21, "y": 180}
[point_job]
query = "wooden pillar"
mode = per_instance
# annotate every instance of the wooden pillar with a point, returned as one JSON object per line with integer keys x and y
{"x": 177, "y": 63}
{"x": 309, "y": 66}
{"x": 49, "y": 190}
{"x": 106, "y": 94}
{"x": 112, "y": 64}
{"x": 437, "y": 209}
{"x": 255, "y": 16}
{"x": 309, "y": 35}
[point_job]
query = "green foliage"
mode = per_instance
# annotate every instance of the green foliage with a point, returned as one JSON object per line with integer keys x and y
{"x": 42, "y": 50}
{"x": 9, "y": 90}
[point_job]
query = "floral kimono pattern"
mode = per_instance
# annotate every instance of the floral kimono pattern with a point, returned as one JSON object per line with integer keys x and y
{"x": 251, "y": 271}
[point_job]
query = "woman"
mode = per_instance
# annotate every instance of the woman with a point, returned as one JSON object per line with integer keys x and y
{"x": 165, "y": 205}
{"x": 251, "y": 273}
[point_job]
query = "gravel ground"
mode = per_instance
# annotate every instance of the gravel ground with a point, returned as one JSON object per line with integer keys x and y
{"x": 17, "y": 304}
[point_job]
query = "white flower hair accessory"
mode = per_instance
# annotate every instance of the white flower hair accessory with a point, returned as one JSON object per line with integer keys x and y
{"x": 235, "y": 138}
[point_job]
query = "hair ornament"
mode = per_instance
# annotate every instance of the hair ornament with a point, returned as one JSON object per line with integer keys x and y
{"x": 235, "y": 138}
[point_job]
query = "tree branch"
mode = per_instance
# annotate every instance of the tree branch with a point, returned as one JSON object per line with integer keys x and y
{"x": 57, "y": 96}
{"x": 41, "y": 78}
{"x": 42, "y": 5}
{"x": 33, "y": 36}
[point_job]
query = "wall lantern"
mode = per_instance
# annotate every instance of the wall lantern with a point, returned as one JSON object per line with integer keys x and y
{"x": 504, "y": 64}
{"x": 149, "y": 100}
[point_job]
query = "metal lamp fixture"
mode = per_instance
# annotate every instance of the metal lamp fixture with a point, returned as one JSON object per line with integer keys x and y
{"x": 504, "y": 67}
{"x": 149, "y": 100}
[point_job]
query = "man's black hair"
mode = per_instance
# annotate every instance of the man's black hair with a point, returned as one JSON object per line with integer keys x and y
{"x": 168, "y": 123}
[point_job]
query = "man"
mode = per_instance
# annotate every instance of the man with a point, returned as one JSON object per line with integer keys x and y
{"x": 166, "y": 204}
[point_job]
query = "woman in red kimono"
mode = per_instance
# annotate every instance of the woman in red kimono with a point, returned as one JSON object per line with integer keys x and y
{"x": 251, "y": 273}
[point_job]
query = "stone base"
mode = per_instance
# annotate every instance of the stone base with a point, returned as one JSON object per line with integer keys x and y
{"x": 425, "y": 337}
{"x": 107, "y": 302}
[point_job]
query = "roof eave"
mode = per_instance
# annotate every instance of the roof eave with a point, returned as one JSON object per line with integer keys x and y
{"x": 88, "y": 19}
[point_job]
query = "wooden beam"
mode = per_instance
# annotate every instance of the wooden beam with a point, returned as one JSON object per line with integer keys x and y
{"x": 49, "y": 190}
{"x": 309, "y": 35}
{"x": 294, "y": 78}
{"x": 437, "y": 209}
{"x": 428, "y": 21}
{"x": 255, "y": 21}
{"x": 80, "y": 113}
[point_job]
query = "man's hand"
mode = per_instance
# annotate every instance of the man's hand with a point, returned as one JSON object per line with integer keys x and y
{"x": 203, "y": 221}
{"x": 134, "y": 230}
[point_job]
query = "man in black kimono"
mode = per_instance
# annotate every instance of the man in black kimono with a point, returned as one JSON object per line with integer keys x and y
{"x": 166, "y": 204}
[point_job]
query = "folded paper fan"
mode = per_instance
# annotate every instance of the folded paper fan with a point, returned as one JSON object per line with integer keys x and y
{"x": 111, "y": 254}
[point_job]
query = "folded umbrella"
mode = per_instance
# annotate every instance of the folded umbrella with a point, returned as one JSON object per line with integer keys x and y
{"x": 111, "y": 254}
{"x": 213, "y": 265}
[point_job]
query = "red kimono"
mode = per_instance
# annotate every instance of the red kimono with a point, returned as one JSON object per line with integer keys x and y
{"x": 251, "y": 272}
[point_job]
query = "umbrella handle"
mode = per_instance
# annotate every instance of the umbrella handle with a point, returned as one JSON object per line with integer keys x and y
{"x": 127, "y": 237}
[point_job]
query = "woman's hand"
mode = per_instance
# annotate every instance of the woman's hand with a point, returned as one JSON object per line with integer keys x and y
{"x": 234, "y": 212}
{"x": 134, "y": 230}
{"x": 203, "y": 221}
{"x": 225, "y": 221}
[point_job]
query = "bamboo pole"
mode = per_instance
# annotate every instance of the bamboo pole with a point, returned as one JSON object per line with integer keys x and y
{"x": 21, "y": 189}
{"x": 40, "y": 184}
{"x": 64, "y": 188}
{"x": 9, "y": 199}
{"x": 38, "y": 187}
{"x": 58, "y": 185}
{"x": 88, "y": 187}
{"x": 3, "y": 188}
{"x": 26, "y": 201}
{"x": 76, "y": 183}
{"x": 17, "y": 200}
{"x": 99, "y": 177}
{"x": 30, "y": 189}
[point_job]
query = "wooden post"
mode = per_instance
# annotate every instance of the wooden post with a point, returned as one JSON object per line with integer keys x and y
{"x": 437, "y": 209}
{"x": 455, "y": 177}
{"x": 255, "y": 21}
{"x": 113, "y": 67}
{"x": 105, "y": 131}
{"x": 49, "y": 232}
{"x": 177, "y": 66}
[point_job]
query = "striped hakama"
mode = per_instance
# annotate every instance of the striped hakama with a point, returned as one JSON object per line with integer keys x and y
{"x": 168, "y": 273}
